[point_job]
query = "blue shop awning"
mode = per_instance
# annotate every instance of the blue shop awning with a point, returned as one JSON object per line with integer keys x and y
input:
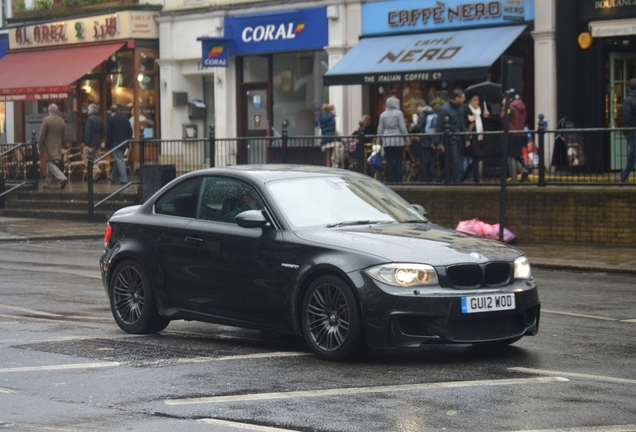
{"x": 440, "y": 56}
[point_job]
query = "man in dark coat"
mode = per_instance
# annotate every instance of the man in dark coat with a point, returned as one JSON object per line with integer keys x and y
{"x": 118, "y": 130}
{"x": 454, "y": 110}
{"x": 628, "y": 120}
{"x": 51, "y": 146}
{"x": 93, "y": 135}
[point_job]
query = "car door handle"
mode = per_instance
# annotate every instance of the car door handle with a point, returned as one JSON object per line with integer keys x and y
{"x": 194, "y": 240}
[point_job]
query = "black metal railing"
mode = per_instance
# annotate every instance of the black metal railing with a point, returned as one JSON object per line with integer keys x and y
{"x": 18, "y": 166}
{"x": 572, "y": 156}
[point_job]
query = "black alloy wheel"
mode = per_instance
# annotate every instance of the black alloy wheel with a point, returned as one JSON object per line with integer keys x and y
{"x": 331, "y": 319}
{"x": 132, "y": 301}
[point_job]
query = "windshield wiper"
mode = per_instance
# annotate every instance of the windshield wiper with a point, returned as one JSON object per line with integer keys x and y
{"x": 358, "y": 222}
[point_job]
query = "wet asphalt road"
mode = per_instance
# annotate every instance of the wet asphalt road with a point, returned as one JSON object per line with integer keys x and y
{"x": 66, "y": 366}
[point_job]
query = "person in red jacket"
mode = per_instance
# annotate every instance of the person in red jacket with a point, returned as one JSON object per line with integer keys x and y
{"x": 516, "y": 141}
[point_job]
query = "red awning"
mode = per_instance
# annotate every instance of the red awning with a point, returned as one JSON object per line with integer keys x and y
{"x": 47, "y": 74}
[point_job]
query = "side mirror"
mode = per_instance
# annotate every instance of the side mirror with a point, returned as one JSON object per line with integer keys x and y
{"x": 251, "y": 219}
{"x": 420, "y": 210}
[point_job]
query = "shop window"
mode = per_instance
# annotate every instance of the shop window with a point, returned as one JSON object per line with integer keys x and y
{"x": 120, "y": 62}
{"x": 96, "y": 71}
{"x": 147, "y": 104}
{"x": 122, "y": 91}
{"x": 146, "y": 60}
{"x": 90, "y": 92}
{"x": 298, "y": 92}
{"x": 255, "y": 69}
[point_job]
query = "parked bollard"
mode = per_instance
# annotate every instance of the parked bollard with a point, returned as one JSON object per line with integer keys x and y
{"x": 142, "y": 149}
{"x": 285, "y": 138}
{"x": 360, "y": 148}
{"x": 35, "y": 171}
{"x": 541, "y": 132}
{"x": 212, "y": 144}
{"x": 447, "y": 150}
{"x": 91, "y": 209}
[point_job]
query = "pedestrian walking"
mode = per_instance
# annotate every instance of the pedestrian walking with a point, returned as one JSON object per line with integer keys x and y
{"x": 628, "y": 120}
{"x": 516, "y": 141}
{"x": 329, "y": 142}
{"x": 52, "y": 146}
{"x": 118, "y": 130}
{"x": 395, "y": 136}
{"x": 454, "y": 111}
{"x": 428, "y": 148}
{"x": 475, "y": 118}
{"x": 93, "y": 136}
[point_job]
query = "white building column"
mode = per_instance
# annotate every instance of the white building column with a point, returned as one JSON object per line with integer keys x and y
{"x": 344, "y": 31}
{"x": 10, "y": 123}
{"x": 545, "y": 68}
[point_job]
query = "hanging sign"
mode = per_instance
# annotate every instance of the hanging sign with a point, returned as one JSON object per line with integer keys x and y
{"x": 216, "y": 52}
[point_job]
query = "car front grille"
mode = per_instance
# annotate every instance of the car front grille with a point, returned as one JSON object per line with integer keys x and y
{"x": 479, "y": 275}
{"x": 484, "y": 329}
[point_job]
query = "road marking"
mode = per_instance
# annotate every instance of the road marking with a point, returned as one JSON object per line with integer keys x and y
{"x": 629, "y": 320}
{"x": 579, "y": 315}
{"x": 29, "y": 311}
{"x": 26, "y": 318}
{"x": 361, "y": 390}
{"x": 613, "y": 428}
{"x": 4, "y": 390}
{"x": 573, "y": 374}
{"x": 26, "y": 426}
{"x": 50, "y": 270}
{"x": 70, "y": 338}
{"x": 60, "y": 367}
{"x": 240, "y": 357}
{"x": 246, "y": 426}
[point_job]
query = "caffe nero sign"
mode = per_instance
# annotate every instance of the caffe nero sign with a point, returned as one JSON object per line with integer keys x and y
{"x": 607, "y": 9}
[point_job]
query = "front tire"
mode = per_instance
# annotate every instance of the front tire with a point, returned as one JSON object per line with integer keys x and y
{"x": 132, "y": 300}
{"x": 331, "y": 319}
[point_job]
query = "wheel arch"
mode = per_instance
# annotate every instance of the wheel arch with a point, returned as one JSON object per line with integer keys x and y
{"x": 126, "y": 251}
{"x": 305, "y": 282}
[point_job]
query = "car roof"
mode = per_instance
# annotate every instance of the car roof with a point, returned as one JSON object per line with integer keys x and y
{"x": 270, "y": 172}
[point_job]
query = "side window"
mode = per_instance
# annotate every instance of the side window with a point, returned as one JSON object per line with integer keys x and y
{"x": 222, "y": 199}
{"x": 181, "y": 200}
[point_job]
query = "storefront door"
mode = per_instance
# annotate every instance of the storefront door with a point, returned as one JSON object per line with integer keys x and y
{"x": 622, "y": 69}
{"x": 255, "y": 124}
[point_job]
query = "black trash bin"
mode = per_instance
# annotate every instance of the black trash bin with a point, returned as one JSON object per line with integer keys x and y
{"x": 154, "y": 177}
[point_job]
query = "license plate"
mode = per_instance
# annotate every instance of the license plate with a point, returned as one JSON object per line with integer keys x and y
{"x": 488, "y": 303}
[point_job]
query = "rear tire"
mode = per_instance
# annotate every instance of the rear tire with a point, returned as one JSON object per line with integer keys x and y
{"x": 132, "y": 300}
{"x": 331, "y": 319}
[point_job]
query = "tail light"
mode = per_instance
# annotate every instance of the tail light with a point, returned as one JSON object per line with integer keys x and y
{"x": 107, "y": 233}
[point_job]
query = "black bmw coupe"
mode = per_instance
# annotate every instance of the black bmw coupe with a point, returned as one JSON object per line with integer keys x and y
{"x": 329, "y": 254}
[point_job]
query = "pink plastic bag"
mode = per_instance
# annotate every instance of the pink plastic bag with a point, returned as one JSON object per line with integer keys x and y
{"x": 492, "y": 232}
{"x": 472, "y": 226}
{"x": 482, "y": 229}
{"x": 508, "y": 236}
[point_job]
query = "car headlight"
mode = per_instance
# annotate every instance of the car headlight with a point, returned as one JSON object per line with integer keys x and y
{"x": 522, "y": 268}
{"x": 404, "y": 275}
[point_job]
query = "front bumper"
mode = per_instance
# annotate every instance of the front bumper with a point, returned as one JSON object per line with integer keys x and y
{"x": 415, "y": 320}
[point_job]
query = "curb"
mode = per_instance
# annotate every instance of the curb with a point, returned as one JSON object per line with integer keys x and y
{"x": 542, "y": 264}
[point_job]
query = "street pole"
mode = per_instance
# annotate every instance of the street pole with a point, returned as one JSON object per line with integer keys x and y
{"x": 504, "y": 174}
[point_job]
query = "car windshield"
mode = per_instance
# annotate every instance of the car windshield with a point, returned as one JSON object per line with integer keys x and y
{"x": 339, "y": 201}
